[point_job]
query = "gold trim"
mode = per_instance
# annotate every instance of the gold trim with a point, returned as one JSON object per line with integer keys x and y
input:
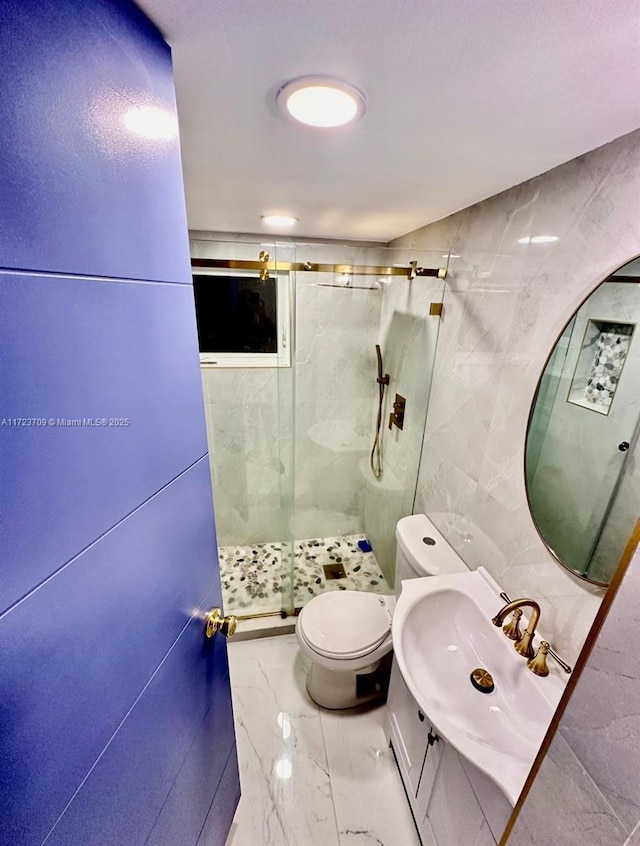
{"x": 312, "y": 267}
{"x": 436, "y": 309}
{"x": 594, "y": 631}
{"x": 264, "y": 262}
{"x": 242, "y": 617}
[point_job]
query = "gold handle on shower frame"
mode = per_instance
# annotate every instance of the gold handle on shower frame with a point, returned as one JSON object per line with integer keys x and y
{"x": 216, "y": 622}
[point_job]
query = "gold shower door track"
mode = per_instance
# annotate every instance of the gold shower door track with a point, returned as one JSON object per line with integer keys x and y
{"x": 410, "y": 271}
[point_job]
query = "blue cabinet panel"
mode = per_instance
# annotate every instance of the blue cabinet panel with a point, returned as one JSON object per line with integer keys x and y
{"x": 90, "y": 170}
{"x": 225, "y": 802}
{"x": 77, "y": 653}
{"x": 200, "y": 778}
{"x": 74, "y": 349}
{"x": 120, "y": 801}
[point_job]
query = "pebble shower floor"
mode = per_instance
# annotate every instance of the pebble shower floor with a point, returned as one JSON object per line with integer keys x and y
{"x": 252, "y": 576}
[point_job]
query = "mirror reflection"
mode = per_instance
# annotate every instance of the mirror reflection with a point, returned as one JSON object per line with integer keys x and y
{"x": 582, "y": 476}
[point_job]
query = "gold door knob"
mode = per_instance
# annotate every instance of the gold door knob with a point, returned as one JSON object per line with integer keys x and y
{"x": 215, "y": 622}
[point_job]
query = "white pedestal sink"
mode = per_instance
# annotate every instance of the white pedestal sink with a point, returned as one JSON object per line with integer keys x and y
{"x": 442, "y": 631}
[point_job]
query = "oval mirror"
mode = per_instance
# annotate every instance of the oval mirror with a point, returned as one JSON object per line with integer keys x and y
{"x": 582, "y": 478}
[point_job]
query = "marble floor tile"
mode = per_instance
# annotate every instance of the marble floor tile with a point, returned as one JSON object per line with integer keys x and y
{"x": 368, "y": 795}
{"x": 309, "y": 777}
{"x": 286, "y": 789}
{"x": 253, "y": 576}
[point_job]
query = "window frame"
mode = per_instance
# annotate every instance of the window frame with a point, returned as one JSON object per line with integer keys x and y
{"x": 280, "y": 358}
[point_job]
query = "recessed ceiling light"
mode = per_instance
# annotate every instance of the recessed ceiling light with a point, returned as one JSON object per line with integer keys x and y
{"x": 321, "y": 101}
{"x": 279, "y": 220}
{"x": 539, "y": 239}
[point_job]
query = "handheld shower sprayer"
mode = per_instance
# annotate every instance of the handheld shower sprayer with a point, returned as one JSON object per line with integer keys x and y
{"x": 375, "y": 459}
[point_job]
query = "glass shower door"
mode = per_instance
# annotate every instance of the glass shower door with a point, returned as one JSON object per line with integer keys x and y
{"x": 344, "y": 517}
{"x": 247, "y": 383}
{"x": 408, "y": 335}
{"x": 291, "y": 426}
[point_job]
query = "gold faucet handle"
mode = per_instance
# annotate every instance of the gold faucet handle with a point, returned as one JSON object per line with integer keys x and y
{"x": 564, "y": 666}
{"x": 512, "y": 628}
{"x": 538, "y": 664}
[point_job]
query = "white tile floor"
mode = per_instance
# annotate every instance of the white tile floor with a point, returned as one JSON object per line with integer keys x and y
{"x": 309, "y": 777}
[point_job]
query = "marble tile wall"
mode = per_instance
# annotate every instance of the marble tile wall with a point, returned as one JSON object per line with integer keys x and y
{"x": 336, "y": 333}
{"x": 243, "y": 426}
{"x": 587, "y": 790}
{"x": 407, "y": 337}
{"x": 287, "y": 445}
{"x": 246, "y": 414}
{"x": 505, "y": 304}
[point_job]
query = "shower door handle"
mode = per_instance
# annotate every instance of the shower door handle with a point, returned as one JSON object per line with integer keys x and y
{"x": 624, "y": 446}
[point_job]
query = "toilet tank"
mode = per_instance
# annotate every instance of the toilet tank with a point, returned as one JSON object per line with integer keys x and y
{"x": 422, "y": 551}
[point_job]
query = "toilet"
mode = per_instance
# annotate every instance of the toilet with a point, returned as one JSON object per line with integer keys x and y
{"x": 347, "y": 633}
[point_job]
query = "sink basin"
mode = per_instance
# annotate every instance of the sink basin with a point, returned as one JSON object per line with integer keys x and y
{"x": 442, "y": 631}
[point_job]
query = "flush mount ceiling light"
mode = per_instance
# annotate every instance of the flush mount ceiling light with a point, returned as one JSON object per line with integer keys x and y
{"x": 321, "y": 101}
{"x": 279, "y": 220}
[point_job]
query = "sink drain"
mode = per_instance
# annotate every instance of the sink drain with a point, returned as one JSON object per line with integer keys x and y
{"x": 482, "y": 680}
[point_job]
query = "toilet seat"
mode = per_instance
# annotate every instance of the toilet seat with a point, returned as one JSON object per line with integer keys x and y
{"x": 346, "y": 625}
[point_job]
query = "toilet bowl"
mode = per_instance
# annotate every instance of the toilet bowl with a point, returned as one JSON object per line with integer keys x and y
{"x": 347, "y": 634}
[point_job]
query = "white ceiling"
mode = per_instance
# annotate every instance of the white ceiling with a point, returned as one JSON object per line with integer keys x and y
{"x": 465, "y": 98}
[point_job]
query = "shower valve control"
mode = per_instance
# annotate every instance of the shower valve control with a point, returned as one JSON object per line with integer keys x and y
{"x": 624, "y": 446}
{"x": 396, "y": 418}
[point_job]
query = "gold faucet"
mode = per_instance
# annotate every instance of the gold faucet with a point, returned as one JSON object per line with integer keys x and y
{"x": 523, "y": 646}
{"x": 538, "y": 664}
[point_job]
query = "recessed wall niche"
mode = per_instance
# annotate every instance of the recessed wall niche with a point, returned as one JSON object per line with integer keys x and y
{"x": 602, "y": 357}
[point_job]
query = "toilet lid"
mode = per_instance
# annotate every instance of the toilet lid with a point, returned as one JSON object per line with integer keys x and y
{"x": 346, "y": 623}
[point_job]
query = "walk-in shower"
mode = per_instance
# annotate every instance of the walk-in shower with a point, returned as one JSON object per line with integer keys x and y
{"x": 291, "y": 421}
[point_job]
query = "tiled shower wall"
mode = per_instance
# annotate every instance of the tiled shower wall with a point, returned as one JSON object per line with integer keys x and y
{"x": 250, "y": 412}
{"x": 408, "y": 337}
{"x": 505, "y": 304}
{"x": 335, "y": 384}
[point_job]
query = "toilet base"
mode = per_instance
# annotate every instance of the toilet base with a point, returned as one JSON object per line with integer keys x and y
{"x": 339, "y": 689}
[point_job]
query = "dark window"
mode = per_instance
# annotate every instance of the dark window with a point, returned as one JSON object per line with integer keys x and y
{"x": 236, "y": 314}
